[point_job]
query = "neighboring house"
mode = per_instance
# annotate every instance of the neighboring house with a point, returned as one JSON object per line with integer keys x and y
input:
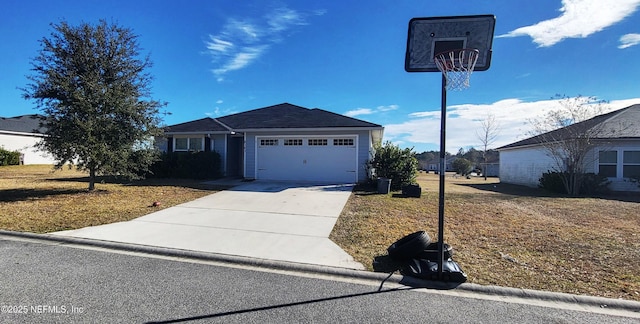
{"x": 491, "y": 169}
{"x": 434, "y": 165}
{"x": 21, "y": 134}
{"x": 616, "y": 153}
{"x": 282, "y": 142}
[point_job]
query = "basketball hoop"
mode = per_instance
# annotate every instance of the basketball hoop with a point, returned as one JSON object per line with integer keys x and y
{"x": 457, "y": 66}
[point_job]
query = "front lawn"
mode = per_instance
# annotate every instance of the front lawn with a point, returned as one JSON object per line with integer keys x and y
{"x": 34, "y": 198}
{"x": 502, "y": 235}
{"x": 508, "y": 235}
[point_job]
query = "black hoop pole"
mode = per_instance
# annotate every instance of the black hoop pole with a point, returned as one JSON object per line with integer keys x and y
{"x": 443, "y": 169}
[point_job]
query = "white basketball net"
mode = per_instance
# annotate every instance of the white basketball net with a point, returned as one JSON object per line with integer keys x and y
{"x": 457, "y": 66}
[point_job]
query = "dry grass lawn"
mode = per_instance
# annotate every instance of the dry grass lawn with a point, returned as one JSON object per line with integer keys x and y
{"x": 34, "y": 198}
{"x": 502, "y": 235}
{"x": 508, "y": 235}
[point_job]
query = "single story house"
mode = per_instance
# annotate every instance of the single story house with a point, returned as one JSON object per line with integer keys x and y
{"x": 615, "y": 152}
{"x": 434, "y": 165}
{"x": 282, "y": 142}
{"x": 21, "y": 134}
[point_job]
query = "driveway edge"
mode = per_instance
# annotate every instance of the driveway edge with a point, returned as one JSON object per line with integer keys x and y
{"x": 601, "y": 302}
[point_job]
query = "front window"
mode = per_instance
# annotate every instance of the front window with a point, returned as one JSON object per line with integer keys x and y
{"x": 182, "y": 144}
{"x": 630, "y": 164}
{"x": 195, "y": 144}
{"x": 607, "y": 164}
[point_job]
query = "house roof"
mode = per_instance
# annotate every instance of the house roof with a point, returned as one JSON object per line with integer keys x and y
{"x": 619, "y": 124}
{"x": 201, "y": 125}
{"x": 280, "y": 116}
{"x": 22, "y": 124}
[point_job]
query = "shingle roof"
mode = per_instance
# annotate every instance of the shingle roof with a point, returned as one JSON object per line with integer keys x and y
{"x": 280, "y": 116}
{"x": 22, "y": 124}
{"x": 201, "y": 125}
{"x": 286, "y": 115}
{"x": 619, "y": 124}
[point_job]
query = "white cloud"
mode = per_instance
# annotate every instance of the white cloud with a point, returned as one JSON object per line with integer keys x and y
{"x": 283, "y": 18}
{"x": 387, "y": 108}
{"x": 240, "y": 60}
{"x": 219, "y": 101}
{"x": 578, "y": 19}
{"x": 429, "y": 114}
{"x": 358, "y": 112}
{"x": 218, "y": 45}
{"x": 320, "y": 12}
{"x": 629, "y": 40}
{"x": 243, "y": 41}
{"x": 245, "y": 30}
{"x": 618, "y": 104}
{"x": 369, "y": 111}
{"x": 463, "y": 121}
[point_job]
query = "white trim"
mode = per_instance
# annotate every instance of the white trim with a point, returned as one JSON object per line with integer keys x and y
{"x": 195, "y": 133}
{"x": 325, "y": 129}
{"x": 22, "y": 133}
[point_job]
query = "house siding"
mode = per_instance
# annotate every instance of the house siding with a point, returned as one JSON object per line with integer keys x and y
{"x": 25, "y": 144}
{"x": 162, "y": 143}
{"x": 250, "y": 156}
{"x": 524, "y": 166}
{"x": 218, "y": 145}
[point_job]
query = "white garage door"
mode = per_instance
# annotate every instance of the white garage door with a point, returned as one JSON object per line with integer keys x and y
{"x": 323, "y": 159}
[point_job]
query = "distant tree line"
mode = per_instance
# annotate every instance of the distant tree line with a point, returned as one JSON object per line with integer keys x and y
{"x": 474, "y": 157}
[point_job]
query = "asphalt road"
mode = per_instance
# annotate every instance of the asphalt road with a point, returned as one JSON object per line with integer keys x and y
{"x": 48, "y": 282}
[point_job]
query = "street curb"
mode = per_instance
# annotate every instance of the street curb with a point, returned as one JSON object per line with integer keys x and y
{"x": 601, "y": 302}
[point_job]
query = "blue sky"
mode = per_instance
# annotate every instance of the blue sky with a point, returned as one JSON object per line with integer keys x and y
{"x": 213, "y": 58}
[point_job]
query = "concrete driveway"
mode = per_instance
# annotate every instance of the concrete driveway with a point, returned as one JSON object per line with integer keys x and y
{"x": 281, "y": 221}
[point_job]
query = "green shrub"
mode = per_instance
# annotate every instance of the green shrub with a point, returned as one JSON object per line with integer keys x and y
{"x": 636, "y": 179}
{"x": 594, "y": 184}
{"x": 392, "y": 162}
{"x": 189, "y": 165}
{"x": 9, "y": 157}
{"x": 590, "y": 183}
{"x": 551, "y": 181}
{"x": 462, "y": 166}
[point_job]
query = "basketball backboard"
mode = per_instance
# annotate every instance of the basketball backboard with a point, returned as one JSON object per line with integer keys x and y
{"x": 430, "y": 36}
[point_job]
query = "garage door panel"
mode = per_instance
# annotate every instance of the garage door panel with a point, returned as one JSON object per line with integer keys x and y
{"x": 307, "y": 162}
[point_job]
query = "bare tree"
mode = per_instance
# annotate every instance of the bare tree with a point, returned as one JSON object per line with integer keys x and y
{"x": 487, "y": 135}
{"x": 567, "y": 136}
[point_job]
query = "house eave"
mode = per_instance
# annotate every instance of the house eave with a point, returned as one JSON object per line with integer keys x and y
{"x": 317, "y": 129}
{"x": 199, "y": 133}
{"x": 499, "y": 149}
{"x": 277, "y": 130}
{"x": 22, "y": 133}
{"x": 595, "y": 141}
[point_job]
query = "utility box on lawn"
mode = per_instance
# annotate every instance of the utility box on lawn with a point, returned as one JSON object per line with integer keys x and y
{"x": 384, "y": 185}
{"x": 412, "y": 191}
